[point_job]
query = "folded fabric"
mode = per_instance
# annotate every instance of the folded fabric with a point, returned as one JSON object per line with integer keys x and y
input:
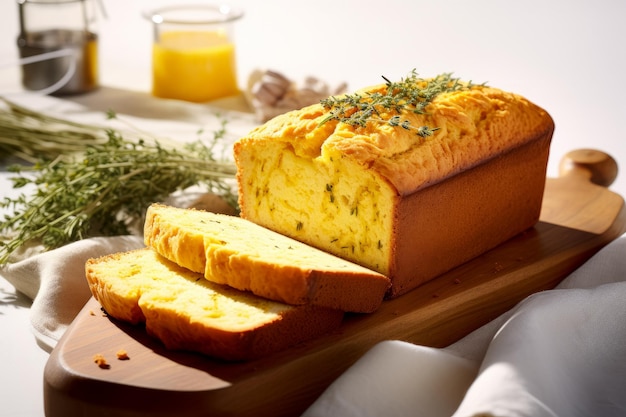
{"x": 56, "y": 282}
{"x": 558, "y": 353}
{"x": 388, "y": 380}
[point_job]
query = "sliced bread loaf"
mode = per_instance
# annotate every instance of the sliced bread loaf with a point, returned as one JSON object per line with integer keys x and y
{"x": 187, "y": 312}
{"x": 233, "y": 251}
{"x": 372, "y": 190}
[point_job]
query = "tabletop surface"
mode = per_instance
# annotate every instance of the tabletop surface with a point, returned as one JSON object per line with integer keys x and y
{"x": 565, "y": 56}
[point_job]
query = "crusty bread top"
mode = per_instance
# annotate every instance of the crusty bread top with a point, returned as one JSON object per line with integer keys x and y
{"x": 474, "y": 125}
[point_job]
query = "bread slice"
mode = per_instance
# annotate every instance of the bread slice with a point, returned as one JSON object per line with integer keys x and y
{"x": 187, "y": 312}
{"x": 236, "y": 252}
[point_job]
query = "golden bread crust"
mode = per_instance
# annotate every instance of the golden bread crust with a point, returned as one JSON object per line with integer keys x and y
{"x": 473, "y": 125}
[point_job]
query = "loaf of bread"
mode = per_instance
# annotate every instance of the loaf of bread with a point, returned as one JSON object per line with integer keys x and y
{"x": 236, "y": 252}
{"x": 408, "y": 194}
{"x": 187, "y": 312}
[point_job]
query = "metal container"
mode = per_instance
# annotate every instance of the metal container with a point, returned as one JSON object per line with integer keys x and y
{"x": 58, "y": 45}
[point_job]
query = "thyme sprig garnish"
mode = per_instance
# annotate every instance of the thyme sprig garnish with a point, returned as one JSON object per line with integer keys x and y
{"x": 410, "y": 94}
{"x": 105, "y": 189}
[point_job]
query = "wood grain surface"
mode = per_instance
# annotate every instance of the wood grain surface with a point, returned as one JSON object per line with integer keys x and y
{"x": 578, "y": 218}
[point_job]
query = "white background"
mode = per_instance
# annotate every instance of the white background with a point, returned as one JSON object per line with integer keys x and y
{"x": 567, "y": 56}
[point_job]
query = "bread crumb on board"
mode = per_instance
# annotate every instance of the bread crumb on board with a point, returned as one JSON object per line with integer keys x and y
{"x": 122, "y": 355}
{"x": 101, "y": 361}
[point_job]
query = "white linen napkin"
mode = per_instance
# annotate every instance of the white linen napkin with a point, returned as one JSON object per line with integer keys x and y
{"x": 558, "y": 353}
{"x": 395, "y": 379}
{"x": 55, "y": 281}
{"x": 562, "y": 353}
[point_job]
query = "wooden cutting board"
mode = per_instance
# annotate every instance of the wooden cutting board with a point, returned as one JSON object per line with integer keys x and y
{"x": 578, "y": 218}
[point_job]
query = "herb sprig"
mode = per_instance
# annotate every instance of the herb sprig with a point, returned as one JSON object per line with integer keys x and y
{"x": 105, "y": 189}
{"x": 410, "y": 94}
{"x": 31, "y": 135}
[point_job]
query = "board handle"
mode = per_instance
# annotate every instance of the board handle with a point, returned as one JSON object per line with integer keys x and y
{"x": 593, "y": 165}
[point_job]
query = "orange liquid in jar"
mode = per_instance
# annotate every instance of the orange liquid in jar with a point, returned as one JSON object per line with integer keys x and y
{"x": 194, "y": 66}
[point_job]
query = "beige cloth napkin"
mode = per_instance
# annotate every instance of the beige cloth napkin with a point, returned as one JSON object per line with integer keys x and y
{"x": 558, "y": 353}
{"x": 56, "y": 282}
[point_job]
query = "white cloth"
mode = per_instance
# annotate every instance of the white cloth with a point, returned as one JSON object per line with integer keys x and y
{"x": 55, "y": 281}
{"x": 395, "y": 379}
{"x": 558, "y": 353}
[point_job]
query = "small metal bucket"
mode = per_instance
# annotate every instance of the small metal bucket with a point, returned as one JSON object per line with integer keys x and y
{"x": 58, "y": 46}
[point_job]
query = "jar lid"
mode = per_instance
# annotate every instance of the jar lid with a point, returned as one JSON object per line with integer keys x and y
{"x": 200, "y": 14}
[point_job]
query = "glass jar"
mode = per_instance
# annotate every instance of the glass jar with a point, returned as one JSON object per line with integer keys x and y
{"x": 58, "y": 45}
{"x": 193, "y": 52}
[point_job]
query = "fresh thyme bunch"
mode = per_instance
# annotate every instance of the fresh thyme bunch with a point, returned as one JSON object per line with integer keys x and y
{"x": 410, "y": 94}
{"x": 105, "y": 189}
{"x": 30, "y": 135}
